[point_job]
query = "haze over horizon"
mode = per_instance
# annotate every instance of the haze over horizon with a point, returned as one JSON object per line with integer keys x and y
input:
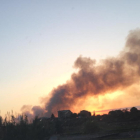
{"x": 40, "y": 41}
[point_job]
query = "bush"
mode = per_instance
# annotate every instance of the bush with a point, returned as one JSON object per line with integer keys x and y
{"x": 90, "y": 127}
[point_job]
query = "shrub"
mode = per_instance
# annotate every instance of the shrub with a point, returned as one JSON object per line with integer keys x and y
{"x": 90, "y": 127}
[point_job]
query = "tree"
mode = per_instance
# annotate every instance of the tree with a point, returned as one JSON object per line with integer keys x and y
{"x": 73, "y": 115}
{"x": 90, "y": 127}
{"x": 133, "y": 110}
{"x": 52, "y": 116}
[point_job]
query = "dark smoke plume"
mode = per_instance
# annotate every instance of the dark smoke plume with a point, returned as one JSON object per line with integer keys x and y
{"x": 111, "y": 74}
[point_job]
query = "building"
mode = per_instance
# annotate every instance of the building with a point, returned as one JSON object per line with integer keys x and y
{"x": 84, "y": 113}
{"x": 64, "y": 113}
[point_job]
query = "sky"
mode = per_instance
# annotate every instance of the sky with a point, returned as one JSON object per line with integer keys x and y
{"x": 40, "y": 40}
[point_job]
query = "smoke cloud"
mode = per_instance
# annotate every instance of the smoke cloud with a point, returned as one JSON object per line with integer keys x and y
{"x": 31, "y": 112}
{"x": 93, "y": 79}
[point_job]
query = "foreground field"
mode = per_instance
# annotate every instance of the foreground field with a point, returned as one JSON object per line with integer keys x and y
{"x": 133, "y": 135}
{"x": 122, "y": 139}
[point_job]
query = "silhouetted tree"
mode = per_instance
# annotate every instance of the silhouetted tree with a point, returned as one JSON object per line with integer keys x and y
{"x": 90, "y": 127}
{"x": 73, "y": 115}
{"x": 52, "y": 116}
{"x": 134, "y": 110}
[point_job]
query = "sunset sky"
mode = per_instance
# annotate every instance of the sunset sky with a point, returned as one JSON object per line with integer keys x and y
{"x": 40, "y": 41}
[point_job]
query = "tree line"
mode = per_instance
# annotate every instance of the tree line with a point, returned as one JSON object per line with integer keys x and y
{"x": 42, "y": 129}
